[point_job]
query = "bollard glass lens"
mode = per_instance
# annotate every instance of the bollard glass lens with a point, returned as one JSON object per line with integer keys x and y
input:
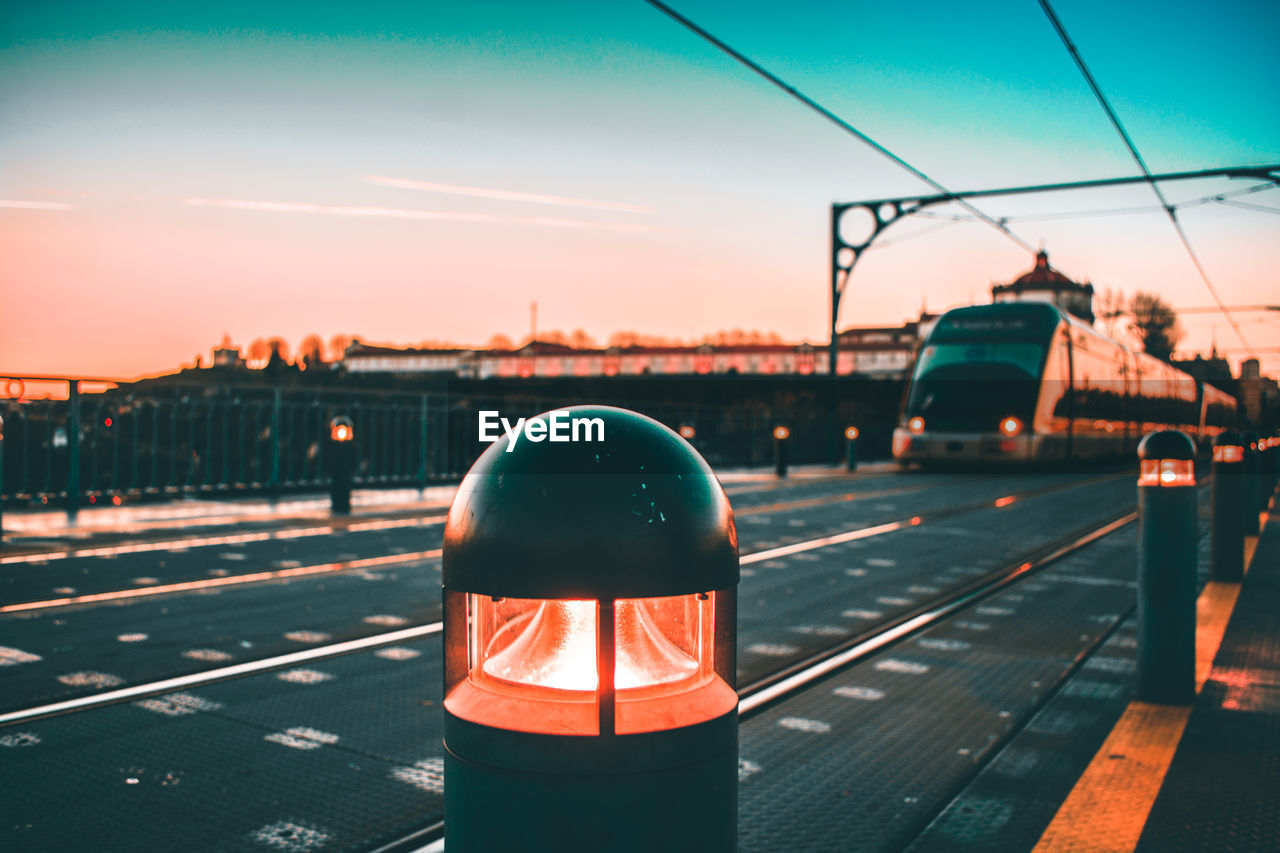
{"x": 533, "y": 664}
{"x": 1167, "y": 472}
{"x": 1228, "y": 453}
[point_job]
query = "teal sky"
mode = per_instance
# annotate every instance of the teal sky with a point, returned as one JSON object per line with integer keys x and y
{"x": 159, "y": 135}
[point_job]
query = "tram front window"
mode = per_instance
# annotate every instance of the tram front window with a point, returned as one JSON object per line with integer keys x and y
{"x": 972, "y": 387}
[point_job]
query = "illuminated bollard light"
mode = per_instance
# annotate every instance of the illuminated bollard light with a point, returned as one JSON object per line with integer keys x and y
{"x": 1227, "y": 558}
{"x": 781, "y": 438}
{"x": 342, "y": 463}
{"x": 589, "y": 629}
{"x": 851, "y": 438}
{"x": 1252, "y": 485}
{"x": 1167, "y": 568}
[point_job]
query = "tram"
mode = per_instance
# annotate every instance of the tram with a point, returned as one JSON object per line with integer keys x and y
{"x": 1026, "y": 381}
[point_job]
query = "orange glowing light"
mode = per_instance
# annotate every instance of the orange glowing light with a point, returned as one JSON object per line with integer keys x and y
{"x": 687, "y": 432}
{"x": 1006, "y": 500}
{"x": 1167, "y": 472}
{"x": 341, "y": 429}
{"x": 781, "y": 433}
{"x": 851, "y": 433}
{"x": 916, "y": 425}
{"x": 533, "y": 665}
{"x": 1011, "y": 426}
{"x": 116, "y": 500}
{"x": 1228, "y": 453}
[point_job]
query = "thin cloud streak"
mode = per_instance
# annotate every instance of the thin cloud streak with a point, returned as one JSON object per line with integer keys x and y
{"x": 405, "y": 213}
{"x": 36, "y": 205}
{"x": 505, "y": 195}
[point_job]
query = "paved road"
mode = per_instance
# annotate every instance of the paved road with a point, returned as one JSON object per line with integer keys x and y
{"x": 341, "y": 752}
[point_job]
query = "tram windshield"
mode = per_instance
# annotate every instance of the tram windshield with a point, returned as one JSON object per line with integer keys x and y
{"x": 973, "y": 385}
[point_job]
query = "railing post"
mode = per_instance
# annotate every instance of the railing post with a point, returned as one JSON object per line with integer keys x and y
{"x": 781, "y": 438}
{"x": 851, "y": 460}
{"x": 73, "y": 449}
{"x": 1167, "y": 555}
{"x": 1, "y": 478}
{"x": 273, "y": 483}
{"x": 1252, "y": 485}
{"x": 422, "y": 437}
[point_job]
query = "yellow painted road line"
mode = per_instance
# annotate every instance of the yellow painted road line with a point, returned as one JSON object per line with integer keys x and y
{"x": 1107, "y": 809}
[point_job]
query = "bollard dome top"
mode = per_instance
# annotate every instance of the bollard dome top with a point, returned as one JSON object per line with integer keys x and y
{"x": 1166, "y": 444}
{"x": 1226, "y": 437}
{"x": 637, "y": 513}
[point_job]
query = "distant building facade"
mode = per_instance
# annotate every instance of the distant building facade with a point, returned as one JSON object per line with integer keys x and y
{"x": 883, "y": 352}
{"x": 1045, "y": 284}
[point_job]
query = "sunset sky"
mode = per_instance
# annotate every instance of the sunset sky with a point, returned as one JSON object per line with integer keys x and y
{"x": 413, "y": 171}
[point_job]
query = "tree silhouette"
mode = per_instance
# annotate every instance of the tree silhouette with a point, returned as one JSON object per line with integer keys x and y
{"x": 258, "y": 352}
{"x": 338, "y": 346}
{"x": 500, "y": 342}
{"x": 311, "y": 351}
{"x": 1154, "y": 324}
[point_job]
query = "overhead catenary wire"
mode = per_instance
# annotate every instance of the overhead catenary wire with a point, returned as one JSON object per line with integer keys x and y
{"x": 1137, "y": 157}
{"x": 831, "y": 116}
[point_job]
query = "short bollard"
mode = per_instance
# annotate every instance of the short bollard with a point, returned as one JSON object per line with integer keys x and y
{"x": 781, "y": 438}
{"x": 589, "y": 646}
{"x": 1227, "y": 533}
{"x": 342, "y": 464}
{"x": 851, "y": 438}
{"x": 1252, "y": 485}
{"x": 1167, "y": 568}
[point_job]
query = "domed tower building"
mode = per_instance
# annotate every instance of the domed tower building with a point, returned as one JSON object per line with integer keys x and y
{"x": 1045, "y": 284}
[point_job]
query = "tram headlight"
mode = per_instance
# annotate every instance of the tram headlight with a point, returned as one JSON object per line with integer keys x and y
{"x": 1010, "y": 426}
{"x": 916, "y": 425}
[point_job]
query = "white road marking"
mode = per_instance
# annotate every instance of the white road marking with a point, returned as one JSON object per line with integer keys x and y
{"x": 131, "y": 638}
{"x": 858, "y": 613}
{"x": 994, "y": 611}
{"x": 178, "y": 705}
{"x": 302, "y": 737}
{"x": 747, "y": 768}
{"x": 894, "y": 600}
{"x": 821, "y": 630}
{"x": 232, "y": 555}
{"x": 942, "y": 645}
{"x": 905, "y": 667}
{"x": 803, "y": 724}
{"x": 13, "y": 657}
{"x": 920, "y": 589}
{"x": 304, "y": 676}
{"x": 291, "y": 837}
{"x": 426, "y": 775}
{"x": 207, "y": 655}
{"x": 797, "y": 522}
{"x": 19, "y": 739}
{"x": 386, "y": 620}
{"x": 307, "y": 636}
{"x": 1103, "y": 663}
{"x": 219, "y": 573}
{"x": 91, "y": 679}
{"x": 287, "y": 564}
{"x": 881, "y": 562}
{"x": 397, "y": 653}
{"x": 776, "y": 650}
{"x": 145, "y": 581}
{"x": 866, "y": 694}
{"x": 856, "y": 573}
{"x": 64, "y": 590}
{"x": 973, "y": 626}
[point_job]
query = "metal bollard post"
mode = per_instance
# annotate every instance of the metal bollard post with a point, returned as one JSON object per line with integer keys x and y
{"x": 589, "y": 645}
{"x": 1227, "y": 560}
{"x": 342, "y": 459}
{"x": 1167, "y": 568}
{"x": 1252, "y": 484}
{"x": 851, "y": 436}
{"x": 781, "y": 438}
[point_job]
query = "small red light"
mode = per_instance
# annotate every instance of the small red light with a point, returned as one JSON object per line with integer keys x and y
{"x": 1008, "y": 445}
{"x": 916, "y": 425}
{"x": 687, "y": 432}
{"x": 93, "y": 499}
{"x": 1011, "y": 426}
{"x": 116, "y": 500}
{"x": 781, "y": 433}
{"x": 851, "y": 433}
{"x": 107, "y": 422}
